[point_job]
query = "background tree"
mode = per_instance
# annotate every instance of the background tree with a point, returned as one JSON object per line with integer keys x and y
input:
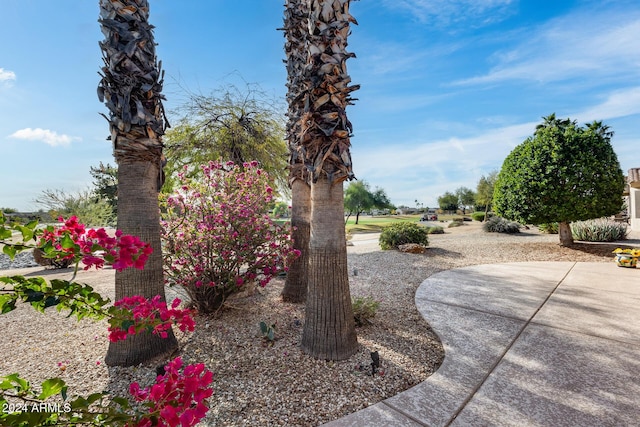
{"x": 562, "y": 173}
{"x": 280, "y": 209}
{"x": 105, "y": 184}
{"x": 131, "y": 87}
{"x": 358, "y": 198}
{"x": 296, "y": 34}
{"x": 381, "y": 200}
{"x": 466, "y": 198}
{"x": 448, "y": 202}
{"x": 90, "y": 208}
{"x": 230, "y": 124}
{"x": 484, "y": 191}
{"x": 329, "y": 328}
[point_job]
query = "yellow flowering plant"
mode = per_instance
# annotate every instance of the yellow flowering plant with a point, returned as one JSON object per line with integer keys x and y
{"x": 633, "y": 252}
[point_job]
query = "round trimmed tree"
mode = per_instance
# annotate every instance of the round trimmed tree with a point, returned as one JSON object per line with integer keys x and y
{"x": 563, "y": 173}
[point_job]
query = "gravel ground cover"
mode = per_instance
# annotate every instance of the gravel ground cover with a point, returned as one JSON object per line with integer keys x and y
{"x": 257, "y": 384}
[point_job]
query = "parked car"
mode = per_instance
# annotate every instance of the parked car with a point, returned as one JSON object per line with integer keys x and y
{"x": 430, "y": 215}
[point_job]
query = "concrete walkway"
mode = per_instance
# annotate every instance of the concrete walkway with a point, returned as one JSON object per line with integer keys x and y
{"x": 526, "y": 344}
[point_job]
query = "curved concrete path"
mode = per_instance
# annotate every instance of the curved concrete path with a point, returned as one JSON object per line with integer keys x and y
{"x": 526, "y": 344}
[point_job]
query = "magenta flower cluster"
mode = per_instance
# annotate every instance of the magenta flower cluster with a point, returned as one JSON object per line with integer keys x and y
{"x": 218, "y": 234}
{"x": 177, "y": 398}
{"x": 71, "y": 241}
{"x": 138, "y": 313}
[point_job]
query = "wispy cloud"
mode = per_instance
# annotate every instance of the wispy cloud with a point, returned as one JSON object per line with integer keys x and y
{"x": 621, "y": 103}
{"x": 6, "y": 76}
{"x": 429, "y": 165}
{"x": 475, "y": 13}
{"x": 44, "y": 135}
{"x": 584, "y": 45}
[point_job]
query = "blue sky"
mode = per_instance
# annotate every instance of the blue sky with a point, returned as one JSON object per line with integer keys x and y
{"x": 449, "y": 87}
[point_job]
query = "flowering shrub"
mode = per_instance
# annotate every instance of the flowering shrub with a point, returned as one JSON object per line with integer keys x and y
{"x": 177, "y": 398}
{"x": 147, "y": 314}
{"x": 218, "y": 236}
{"x": 71, "y": 242}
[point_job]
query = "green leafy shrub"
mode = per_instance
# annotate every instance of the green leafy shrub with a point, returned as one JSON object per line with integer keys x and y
{"x": 364, "y": 309}
{"x": 498, "y": 224}
{"x": 478, "y": 216}
{"x": 549, "y": 228}
{"x": 436, "y": 229}
{"x": 400, "y": 233}
{"x": 599, "y": 230}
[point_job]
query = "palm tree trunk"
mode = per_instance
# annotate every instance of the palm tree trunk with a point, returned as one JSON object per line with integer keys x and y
{"x": 139, "y": 215}
{"x": 295, "y": 28}
{"x": 131, "y": 88}
{"x": 329, "y": 328}
{"x": 564, "y": 232}
{"x": 295, "y": 286}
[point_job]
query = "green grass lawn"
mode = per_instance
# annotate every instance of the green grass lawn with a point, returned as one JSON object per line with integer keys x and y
{"x": 375, "y": 224}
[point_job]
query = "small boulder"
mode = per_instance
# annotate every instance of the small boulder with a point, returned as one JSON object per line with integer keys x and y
{"x": 412, "y": 248}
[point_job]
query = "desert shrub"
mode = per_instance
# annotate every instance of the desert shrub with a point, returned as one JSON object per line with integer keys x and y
{"x": 498, "y": 224}
{"x": 455, "y": 223}
{"x": 89, "y": 208}
{"x": 218, "y": 237}
{"x": 436, "y": 229}
{"x": 599, "y": 230}
{"x": 400, "y": 233}
{"x": 364, "y": 309}
{"x": 549, "y": 228}
{"x": 478, "y": 216}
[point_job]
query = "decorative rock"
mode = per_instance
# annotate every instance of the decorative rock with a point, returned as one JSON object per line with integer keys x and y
{"x": 412, "y": 248}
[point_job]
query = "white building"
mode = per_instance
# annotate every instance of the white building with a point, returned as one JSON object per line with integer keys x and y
{"x": 633, "y": 200}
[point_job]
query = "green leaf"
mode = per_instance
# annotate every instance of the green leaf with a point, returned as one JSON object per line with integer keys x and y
{"x": 10, "y": 251}
{"x": 33, "y": 296}
{"x": 92, "y": 398}
{"x": 7, "y": 303}
{"x": 27, "y": 233}
{"x": 50, "y": 301}
{"x": 67, "y": 242}
{"x": 5, "y": 233}
{"x": 50, "y": 387}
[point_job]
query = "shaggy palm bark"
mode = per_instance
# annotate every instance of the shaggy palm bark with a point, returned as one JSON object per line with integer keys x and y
{"x": 295, "y": 28}
{"x": 131, "y": 87}
{"x": 329, "y": 330}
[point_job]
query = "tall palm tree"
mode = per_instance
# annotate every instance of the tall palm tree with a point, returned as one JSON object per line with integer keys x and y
{"x": 131, "y": 87}
{"x": 295, "y": 28}
{"x": 329, "y": 330}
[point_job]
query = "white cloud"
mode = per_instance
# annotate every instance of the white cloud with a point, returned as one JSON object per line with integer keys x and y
{"x": 6, "y": 76}
{"x": 621, "y": 103}
{"x": 475, "y": 13}
{"x": 582, "y": 45}
{"x": 44, "y": 135}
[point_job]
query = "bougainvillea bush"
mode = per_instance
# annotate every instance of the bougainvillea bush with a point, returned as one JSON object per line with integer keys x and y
{"x": 177, "y": 398}
{"x": 217, "y": 235}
